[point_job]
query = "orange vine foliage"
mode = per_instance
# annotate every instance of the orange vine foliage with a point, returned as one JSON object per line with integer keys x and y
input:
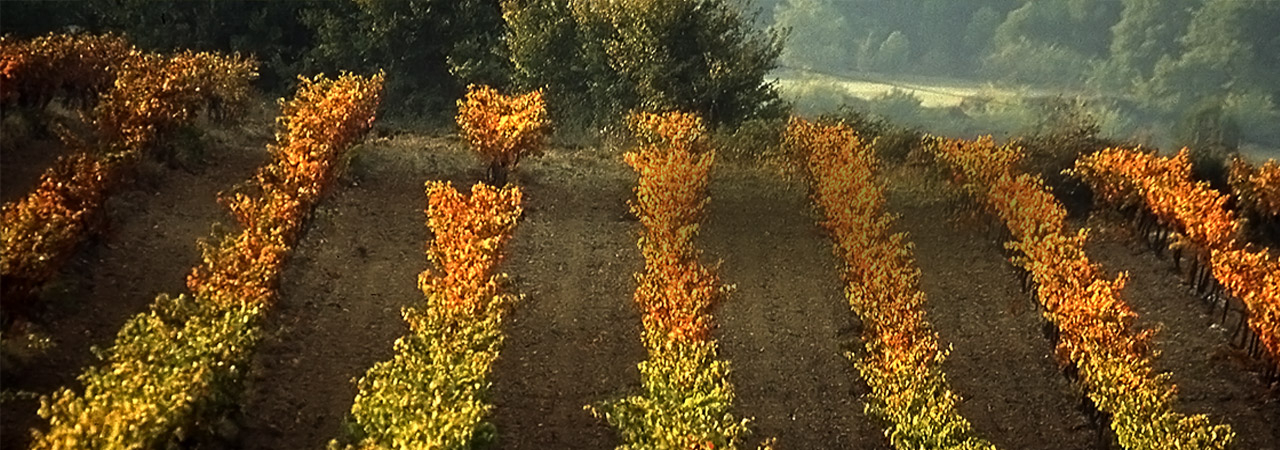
{"x": 321, "y": 121}
{"x": 469, "y": 232}
{"x": 77, "y": 66}
{"x": 147, "y": 94}
{"x": 155, "y": 93}
{"x": 1096, "y": 327}
{"x": 687, "y": 398}
{"x": 1256, "y": 189}
{"x": 676, "y": 292}
{"x": 175, "y": 367}
{"x": 40, "y": 231}
{"x": 976, "y": 169}
{"x": 903, "y": 362}
{"x": 502, "y": 128}
{"x": 432, "y": 393}
{"x": 1164, "y": 185}
{"x": 1197, "y": 211}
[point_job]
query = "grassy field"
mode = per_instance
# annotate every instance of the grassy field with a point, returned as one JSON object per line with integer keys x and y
{"x": 963, "y": 108}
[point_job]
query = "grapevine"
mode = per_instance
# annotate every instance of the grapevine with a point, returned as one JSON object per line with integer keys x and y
{"x": 77, "y": 67}
{"x": 1256, "y": 188}
{"x": 686, "y": 394}
{"x": 1095, "y": 329}
{"x": 148, "y": 95}
{"x": 1205, "y": 227}
{"x": 502, "y": 129}
{"x": 171, "y": 369}
{"x": 431, "y": 393}
{"x": 903, "y": 360}
{"x": 322, "y": 120}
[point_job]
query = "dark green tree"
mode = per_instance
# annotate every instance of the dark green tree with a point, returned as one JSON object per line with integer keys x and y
{"x": 1051, "y": 41}
{"x": 271, "y": 32}
{"x": 1147, "y": 31}
{"x": 894, "y": 53}
{"x": 818, "y": 36}
{"x": 704, "y": 56}
{"x": 547, "y": 49}
{"x": 1215, "y": 58}
{"x": 25, "y": 19}
{"x": 430, "y": 49}
{"x": 1082, "y": 26}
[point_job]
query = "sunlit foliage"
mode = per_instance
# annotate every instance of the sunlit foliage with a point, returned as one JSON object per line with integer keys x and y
{"x": 902, "y": 359}
{"x": 686, "y": 397}
{"x": 1257, "y": 189}
{"x": 75, "y": 66}
{"x": 172, "y": 370}
{"x": 145, "y": 95}
{"x": 431, "y": 394}
{"x": 1207, "y": 230}
{"x": 501, "y": 128}
{"x": 1096, "y": 332}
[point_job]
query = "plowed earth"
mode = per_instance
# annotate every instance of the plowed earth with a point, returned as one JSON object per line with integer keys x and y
{"x": 574, "y": 338}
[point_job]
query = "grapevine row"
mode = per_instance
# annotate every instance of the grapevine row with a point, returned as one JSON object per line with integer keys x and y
{"x": 1257, "y": 189}
{"x": 903, "y": 359}
{"x": 431, "y": 393}
{"x": 172, "y": 369}
{"x": 1097, "y": 340}
{"x": 686, "y": 395}
{"x": 149, "y": 94}
{"x": 1205, "y": 228}
{"x": 501, "y": 128}
{"x": 75, "y": 66}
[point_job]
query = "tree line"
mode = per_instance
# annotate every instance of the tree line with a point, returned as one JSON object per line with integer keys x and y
{"x": 596, "y": 58}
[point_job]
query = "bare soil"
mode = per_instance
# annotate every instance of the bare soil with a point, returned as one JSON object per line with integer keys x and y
{"x": 574, "y": 338}
{"x": 147, "y": 248}
{"x": 1000, "y": 362}
{"x": 1213, "y": 377}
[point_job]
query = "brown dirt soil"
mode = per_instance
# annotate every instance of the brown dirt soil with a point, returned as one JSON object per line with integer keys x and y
{"x": 28, "y": 148}
{"x": 338, "y": 313}
{"x": 147, "y": 248}
{"x": 574, "y": 338}
{"x": 1000, "y": 361}
{"x": 786, "y": 326}
{"x": 1212, "y": 376}
{"x": 22, "y": 166}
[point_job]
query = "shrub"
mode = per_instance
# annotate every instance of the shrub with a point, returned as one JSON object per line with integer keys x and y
{"x": 501, "y": 128}
{"x": 1063, "y": 132}
{"x": 890, "y": 141}
{"x": 753, "y": 139}
{"x": 1211, "y": 135}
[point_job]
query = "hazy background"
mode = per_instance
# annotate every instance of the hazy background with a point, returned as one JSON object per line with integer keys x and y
{"x": 1156, "y": 71}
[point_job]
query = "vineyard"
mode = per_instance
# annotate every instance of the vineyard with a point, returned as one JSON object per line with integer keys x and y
{"x": 328, "y": 281}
